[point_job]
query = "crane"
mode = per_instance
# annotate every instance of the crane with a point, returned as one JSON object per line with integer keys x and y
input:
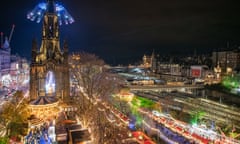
{"x": 10, "y": 36}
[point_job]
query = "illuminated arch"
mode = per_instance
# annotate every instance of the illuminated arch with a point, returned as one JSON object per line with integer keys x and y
{"x": 50, "y": 83}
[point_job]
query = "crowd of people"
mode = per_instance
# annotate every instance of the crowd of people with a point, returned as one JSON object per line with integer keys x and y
{"x": 39, "y": 135}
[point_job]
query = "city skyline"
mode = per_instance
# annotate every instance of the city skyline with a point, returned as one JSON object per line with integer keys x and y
{"x": 65, "y": 97}
{"x": 121, "y": 32}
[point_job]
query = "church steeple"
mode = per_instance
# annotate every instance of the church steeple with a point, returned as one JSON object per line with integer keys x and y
{"x": 50, "y": 22}
{"x": 50, "y": 47}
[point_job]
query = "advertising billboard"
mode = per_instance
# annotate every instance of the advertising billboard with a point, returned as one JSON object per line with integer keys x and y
{"x": 196, "y": 71}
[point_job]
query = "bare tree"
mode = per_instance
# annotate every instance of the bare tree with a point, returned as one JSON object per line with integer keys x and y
{"x": 95, "y": 85}
{"x": 92, "y": 76}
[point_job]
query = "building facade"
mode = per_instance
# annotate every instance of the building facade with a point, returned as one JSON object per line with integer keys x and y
{"x": 49, "y": 71}
{"x": 150, "y": 62}
{"x": 227, "y": 59}
{"x": 5, "y": 58}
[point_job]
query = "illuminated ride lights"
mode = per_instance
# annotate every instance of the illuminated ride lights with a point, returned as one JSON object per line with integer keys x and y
{"x": 39, "y": 10}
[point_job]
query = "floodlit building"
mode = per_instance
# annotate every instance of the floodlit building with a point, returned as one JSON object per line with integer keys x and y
{"x": 5, "y": 58}
{"x": 49, "y": 72}
{"x": 150, "y": 62}
{"x": 14, "y": 70}
{"x": 229, "y": 60}
{"x": 172, "y": 69}
{"x": 5, "y": 53}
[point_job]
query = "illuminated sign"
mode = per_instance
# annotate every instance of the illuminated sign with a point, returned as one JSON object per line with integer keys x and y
{"x": 196, "y": 71}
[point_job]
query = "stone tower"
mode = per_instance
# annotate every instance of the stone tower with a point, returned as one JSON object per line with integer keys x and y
{"x": 49, "y": 72}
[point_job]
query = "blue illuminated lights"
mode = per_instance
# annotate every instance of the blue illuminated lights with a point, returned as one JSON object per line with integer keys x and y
{"x": 37, "y": 13}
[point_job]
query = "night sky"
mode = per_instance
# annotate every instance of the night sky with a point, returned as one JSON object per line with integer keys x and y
{"x": 121, "y": 31}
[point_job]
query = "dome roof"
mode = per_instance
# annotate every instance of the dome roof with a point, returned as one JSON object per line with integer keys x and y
{"x": 43, "y": 100}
